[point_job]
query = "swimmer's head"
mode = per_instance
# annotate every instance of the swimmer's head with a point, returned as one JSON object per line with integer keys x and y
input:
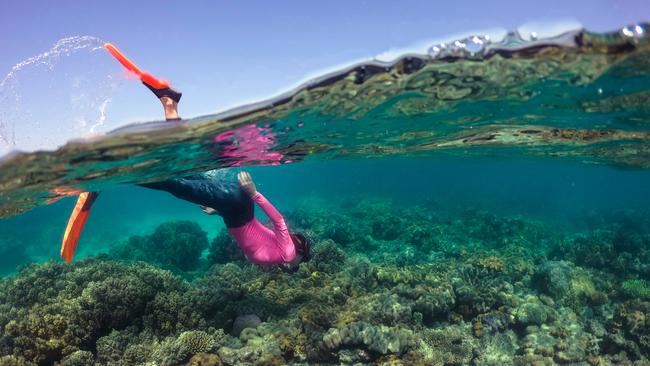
{"x": 303, "y": 246}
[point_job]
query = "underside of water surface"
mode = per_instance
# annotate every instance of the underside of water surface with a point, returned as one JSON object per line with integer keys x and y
{"x": 504, "y": 219}
{"x": 578, "y": 96}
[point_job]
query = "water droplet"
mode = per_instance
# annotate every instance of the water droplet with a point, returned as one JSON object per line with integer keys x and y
{"x": 476, "y": 44}
{"x": 434, "y": 51}
{"x": 438, "y": 50}
{"x": 634, "y": 31}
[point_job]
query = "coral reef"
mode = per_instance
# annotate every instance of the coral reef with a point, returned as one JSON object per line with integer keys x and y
{"x": 382, "y": 340}
{"x": 245, "y": 321}
{"x": 630, "y": 330}
{"x": 223, "y": 249}
{"x": 386, "y": 285}
{"x": 637, "y": 289}
{"x": 174, "y": 245}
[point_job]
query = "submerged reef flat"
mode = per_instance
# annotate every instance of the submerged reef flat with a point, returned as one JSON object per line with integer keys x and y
{"x": 387, "y": 285}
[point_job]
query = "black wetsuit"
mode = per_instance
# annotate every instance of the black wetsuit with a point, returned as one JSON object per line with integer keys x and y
{"x": 206, "y": 189}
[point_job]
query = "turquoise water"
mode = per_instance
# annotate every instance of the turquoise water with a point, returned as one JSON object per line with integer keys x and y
{"x": 478, "y": 210}
{"x": 562, "y": 194}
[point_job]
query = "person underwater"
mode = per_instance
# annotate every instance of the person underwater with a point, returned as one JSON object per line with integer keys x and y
{"x": 233, "y": 201}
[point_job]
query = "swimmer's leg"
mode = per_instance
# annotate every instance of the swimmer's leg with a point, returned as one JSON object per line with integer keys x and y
{"x": 169, "y": 98}
{"x": 193, "y": 191}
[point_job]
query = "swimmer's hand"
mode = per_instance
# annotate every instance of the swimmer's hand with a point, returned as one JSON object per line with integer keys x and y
{"x": 246, "y": 183}
{"x": 209, "y": 210}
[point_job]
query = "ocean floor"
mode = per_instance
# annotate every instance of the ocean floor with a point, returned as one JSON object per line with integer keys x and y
{"x": 387, "y": 284}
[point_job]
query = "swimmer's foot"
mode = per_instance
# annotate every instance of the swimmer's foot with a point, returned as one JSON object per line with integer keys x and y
{"x": 170, "y": 93}
{"x": 169, "y": 98}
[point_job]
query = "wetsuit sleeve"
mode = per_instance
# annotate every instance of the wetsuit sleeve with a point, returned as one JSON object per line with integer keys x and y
{"x": 288, "y": 250}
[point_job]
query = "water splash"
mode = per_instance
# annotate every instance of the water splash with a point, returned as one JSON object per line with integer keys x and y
{"x": 57, "y": 95}
{"x": 49, "y": 58}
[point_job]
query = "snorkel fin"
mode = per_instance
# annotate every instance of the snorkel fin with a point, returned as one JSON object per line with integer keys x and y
{"x": 159, "y": 87}
{"x": 144, "y": 76}
{"x": 76, "y": 223}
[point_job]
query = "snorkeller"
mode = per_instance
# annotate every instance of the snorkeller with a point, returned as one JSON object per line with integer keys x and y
{"x": 233, "y": 201}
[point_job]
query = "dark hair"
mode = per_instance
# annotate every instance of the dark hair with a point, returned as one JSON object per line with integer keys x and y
{"x": 303, "y": 246}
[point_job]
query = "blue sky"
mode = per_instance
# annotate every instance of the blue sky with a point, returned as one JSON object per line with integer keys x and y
{"x": 221, "y": 53}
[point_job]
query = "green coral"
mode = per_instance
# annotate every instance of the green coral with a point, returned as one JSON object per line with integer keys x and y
{"x": 173, "y": 351}
{"x": 79, "y": 358}
{"x": 224, "y": 249}
{"x": 383, "y": 340}
{"x": 480, "y": 289}
{"x": 638, "y": 289}
{"x": 84, "y": 301}
{"x": 452, "y": 345}
{"x": 174, "y": 245}
{"x": 261, "y": 346}
{"x": 533, "y": 312}
{"x": 196, "y": 342}
{"x": 11, "y": 360}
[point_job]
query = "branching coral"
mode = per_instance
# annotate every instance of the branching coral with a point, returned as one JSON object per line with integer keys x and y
{"x": 382, "y": 340}
{"x": 450, "y": 346}
{"x": 479, "y": 289}
{"x": 636, "y": 289}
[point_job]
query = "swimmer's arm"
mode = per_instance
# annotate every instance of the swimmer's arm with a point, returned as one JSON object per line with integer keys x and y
{"x": 283, "y": 240}
{"x": 276, "y": 217}
{"x": 246, "y": 183}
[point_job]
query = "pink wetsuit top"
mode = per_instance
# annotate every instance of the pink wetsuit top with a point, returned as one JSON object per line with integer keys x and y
{"x": 262, "y": 245}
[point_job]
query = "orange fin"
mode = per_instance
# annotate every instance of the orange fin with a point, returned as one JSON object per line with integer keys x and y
{"x": 76, "y": 223}
{"x": 146, "y": 77}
